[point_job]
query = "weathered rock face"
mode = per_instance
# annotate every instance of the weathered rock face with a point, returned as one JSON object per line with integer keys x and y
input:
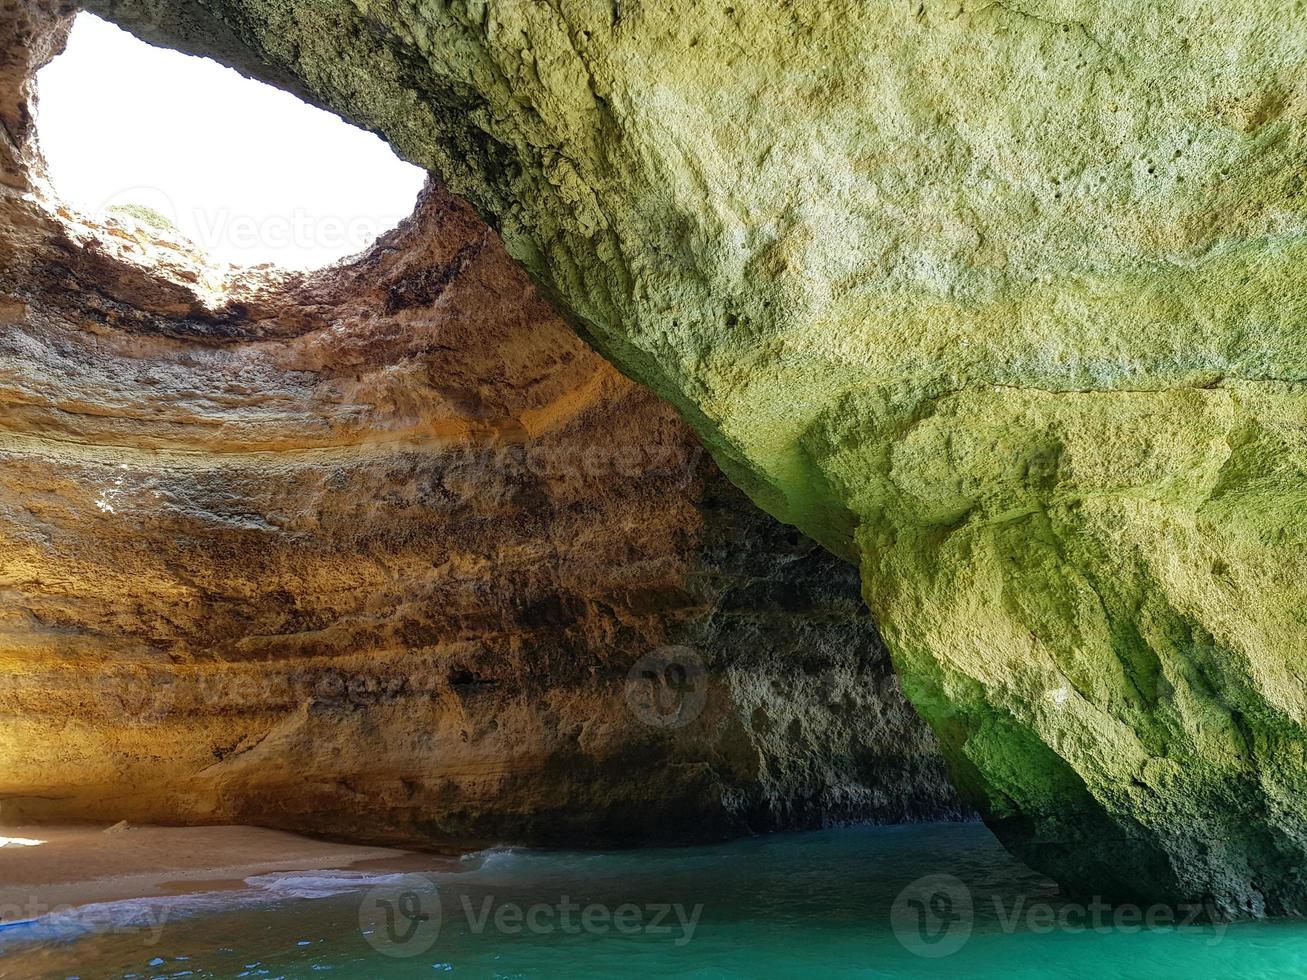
{"x": 370, "y": 553}
{"x": 1003, "y": 298}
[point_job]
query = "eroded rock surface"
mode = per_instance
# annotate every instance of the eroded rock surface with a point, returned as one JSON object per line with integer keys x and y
{"x": 1002, "y": 298}
{"x": 370, "y": 553}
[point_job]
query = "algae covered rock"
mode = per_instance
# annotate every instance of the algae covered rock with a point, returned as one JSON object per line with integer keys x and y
{"x": 1002, "y": 298}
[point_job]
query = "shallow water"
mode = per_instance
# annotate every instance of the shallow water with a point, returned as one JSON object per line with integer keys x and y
{"x": 829, "y": 904}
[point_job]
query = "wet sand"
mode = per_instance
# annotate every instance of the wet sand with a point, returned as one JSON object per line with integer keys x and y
{"x": 82, "y": 865}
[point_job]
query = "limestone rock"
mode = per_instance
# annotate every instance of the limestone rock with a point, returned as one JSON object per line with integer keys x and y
{"x": 1002, "y": 298}
{"x": 372, "y": 552}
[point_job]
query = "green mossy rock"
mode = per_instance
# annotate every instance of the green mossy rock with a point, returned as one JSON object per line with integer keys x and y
{"x": 1004, "y": 298}
{"x": 146, "y": 215}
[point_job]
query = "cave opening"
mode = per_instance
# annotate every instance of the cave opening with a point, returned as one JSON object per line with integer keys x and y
{"x": 245, "y": 172}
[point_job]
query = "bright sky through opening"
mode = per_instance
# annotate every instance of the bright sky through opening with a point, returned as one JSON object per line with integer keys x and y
{"x": 249, "y": 173}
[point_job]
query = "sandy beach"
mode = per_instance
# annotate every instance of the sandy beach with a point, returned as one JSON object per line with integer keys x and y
{"x": 87, "y": 864}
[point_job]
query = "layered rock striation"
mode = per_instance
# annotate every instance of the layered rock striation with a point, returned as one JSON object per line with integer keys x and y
{"x": 385, "y": 552}
{"x": 1000, "y": 298}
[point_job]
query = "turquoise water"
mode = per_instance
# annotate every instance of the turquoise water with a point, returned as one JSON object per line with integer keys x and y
{"x": 828, "y": 904}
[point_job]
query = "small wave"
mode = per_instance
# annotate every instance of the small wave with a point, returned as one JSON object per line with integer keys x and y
{"x": 321, "y": 884}
{"x": 493, "y": 858}
{"x": 150, "y": 913}
{"x": 124, "y": 915}
{"x": 147, "y": 914}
